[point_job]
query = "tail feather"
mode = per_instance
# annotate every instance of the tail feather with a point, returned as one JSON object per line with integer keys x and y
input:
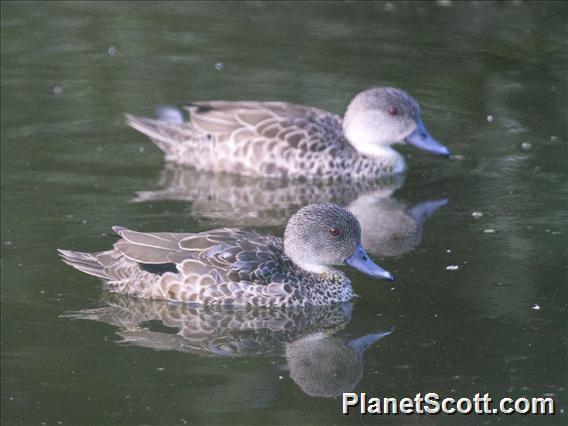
{"x": 166, "y": 134}
{"x": 85, "y": 262}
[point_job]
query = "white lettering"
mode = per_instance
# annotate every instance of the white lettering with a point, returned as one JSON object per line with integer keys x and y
{"x": 406, "y": 406}
{"x": 390, "y": 406}
{"x": 522, "y": 406}
{"x": 539, "y": 407}
{"x": 464, "y": 405}
{"x": 506, "y": 402}
{"x": 432, "y": 405}
{"x": 374, "y": 406}
{"x": 445, "y": 408}
{"x": 354, "y": 399}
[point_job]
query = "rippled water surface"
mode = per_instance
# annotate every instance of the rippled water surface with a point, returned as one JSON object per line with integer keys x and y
{"x": 477, "y": 242}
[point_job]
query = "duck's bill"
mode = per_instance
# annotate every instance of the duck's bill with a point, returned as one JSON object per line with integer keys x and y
{"x": 420, "y": 138}
{"x": 361, "y": 261}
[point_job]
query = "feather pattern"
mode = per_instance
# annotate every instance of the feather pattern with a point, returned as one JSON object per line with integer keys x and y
{"x": 234, "y": 266}
{"x": 270, "y": 139}
{"x": 227, "y": 266}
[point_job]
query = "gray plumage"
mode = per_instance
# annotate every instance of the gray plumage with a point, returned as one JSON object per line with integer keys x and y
{"x": 280, "y": 139}
{"x": 233, "y": 266}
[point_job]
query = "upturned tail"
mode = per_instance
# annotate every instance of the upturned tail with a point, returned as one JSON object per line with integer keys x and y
{"x": 90, "y": 263}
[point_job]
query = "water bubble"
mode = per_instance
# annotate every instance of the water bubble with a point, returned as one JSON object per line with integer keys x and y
{"x": 219, "y": 66}
{"x": 452, "y": 268}
{"x": 526, "y": 146}
{"x": 477, "y": 215}
{"x": 389, "y": 6}
{"x": 489, "y": 231}
{"x": 553, "y": 138}
{"x": 111, "y": 50}
{"x": 57, "y": 89}
{"x": 141, "y": 150}
{"x": 490, "y": 118}
{"x": 535, "y": 307}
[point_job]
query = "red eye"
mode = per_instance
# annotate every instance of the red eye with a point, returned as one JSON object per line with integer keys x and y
{"x": 392, "y": 111}
{"x": 334, "y": 232}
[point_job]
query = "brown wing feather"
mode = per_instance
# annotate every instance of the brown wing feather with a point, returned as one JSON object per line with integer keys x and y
{"x": 153, "y": 248}
{"x": 238, "y": 255}
{"x": 297, "y": 126}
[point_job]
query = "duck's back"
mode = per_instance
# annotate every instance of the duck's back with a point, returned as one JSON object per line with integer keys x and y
{"x": 226, "y": 266}
{"x": 269, "y": 139}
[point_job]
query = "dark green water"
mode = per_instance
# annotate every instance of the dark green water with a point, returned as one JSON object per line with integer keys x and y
{"x": 71, "y": 168}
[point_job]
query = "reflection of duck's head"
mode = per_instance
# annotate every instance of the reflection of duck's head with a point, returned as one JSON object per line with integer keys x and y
{"x": 389, "y": 226}
{"x": 321, "y": 235}
{"x": 328, "y": 366}
{"x": 381, "y": 116}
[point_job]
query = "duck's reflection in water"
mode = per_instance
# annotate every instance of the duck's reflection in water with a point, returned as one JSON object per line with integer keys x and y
{"x": 389, "y": 226}
{"x": 327, "y": 366}
{"x": 320, "y": 362}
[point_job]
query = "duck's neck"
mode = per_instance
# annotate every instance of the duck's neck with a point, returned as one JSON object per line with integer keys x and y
{"x": 387, "y": 157}
{"x": 314, "y": 269}
{"x": 372, "y": 147}
{"x": 319, "y": 272}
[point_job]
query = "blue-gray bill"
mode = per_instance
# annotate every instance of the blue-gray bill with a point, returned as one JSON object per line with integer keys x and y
{"x": 361, "y": 261}
{"x": 420, "y": 138}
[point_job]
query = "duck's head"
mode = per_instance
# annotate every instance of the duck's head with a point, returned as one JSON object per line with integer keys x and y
{"x": 319, "y": 236}
{"x": 381, "y": 116}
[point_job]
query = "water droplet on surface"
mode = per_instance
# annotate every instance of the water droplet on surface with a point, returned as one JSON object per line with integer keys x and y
{"x": 490, "y": 119}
